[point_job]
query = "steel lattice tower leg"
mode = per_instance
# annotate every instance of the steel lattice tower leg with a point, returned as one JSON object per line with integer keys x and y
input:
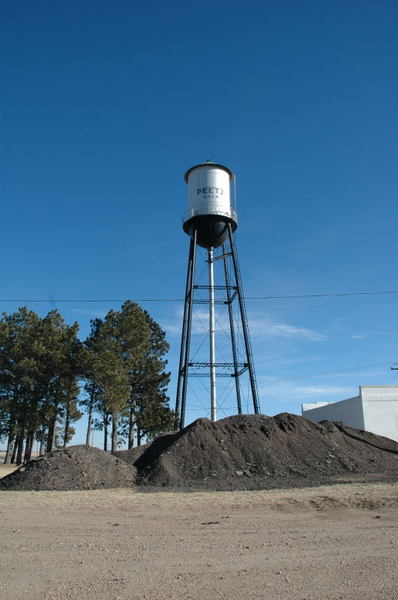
{"x": 245, "y": 326}
{"x": 232, "y": 329}
{"x": 186, "y": 337}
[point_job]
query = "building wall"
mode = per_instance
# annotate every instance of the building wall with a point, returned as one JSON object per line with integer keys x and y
{"x": 375, "y": 410}
{"x": 348, "y": 411}
{"x": 380, "y": 408}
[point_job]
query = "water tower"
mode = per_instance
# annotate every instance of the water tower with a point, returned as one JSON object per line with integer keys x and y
{"x": 211, "y": 222}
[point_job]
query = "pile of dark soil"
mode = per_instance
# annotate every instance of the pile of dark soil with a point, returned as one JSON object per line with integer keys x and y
{"x": 259, "y": 452}
{"x": 75, "y": 468}
{"x": 239, "y": 452}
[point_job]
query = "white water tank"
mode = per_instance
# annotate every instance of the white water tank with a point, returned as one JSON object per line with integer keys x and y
{"x": 210, "y": 209}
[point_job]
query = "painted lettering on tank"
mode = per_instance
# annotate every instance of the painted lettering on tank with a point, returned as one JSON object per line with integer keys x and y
{"x": 209, "y": 190}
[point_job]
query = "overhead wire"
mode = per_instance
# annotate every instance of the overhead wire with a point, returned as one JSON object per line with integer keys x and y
{"x": 281, "y": 297}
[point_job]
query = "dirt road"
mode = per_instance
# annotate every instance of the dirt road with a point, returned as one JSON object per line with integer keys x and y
{"x": 337, "y": 542}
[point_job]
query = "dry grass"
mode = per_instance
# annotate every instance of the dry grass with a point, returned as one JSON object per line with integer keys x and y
{"x": 357, "y": 496}
{"x": 7, "y": 469}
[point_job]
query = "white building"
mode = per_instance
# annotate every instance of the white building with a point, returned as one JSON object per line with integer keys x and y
{"x": 374, "y": 410}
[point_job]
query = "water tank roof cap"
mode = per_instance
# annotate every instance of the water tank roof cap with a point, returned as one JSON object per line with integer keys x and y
{"x": 207, "y": 164}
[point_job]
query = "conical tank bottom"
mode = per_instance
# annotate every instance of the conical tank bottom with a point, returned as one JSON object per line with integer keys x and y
{"x": 212, "y": 230}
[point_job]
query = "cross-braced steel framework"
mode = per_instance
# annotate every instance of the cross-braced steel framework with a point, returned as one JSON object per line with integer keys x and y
{"x": 213, "y": 369}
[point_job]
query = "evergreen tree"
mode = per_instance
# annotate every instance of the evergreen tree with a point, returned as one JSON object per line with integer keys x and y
{"x": 127, "y": 378}
{"x": 148, "y": 405}
{"x": 40, "y": 360}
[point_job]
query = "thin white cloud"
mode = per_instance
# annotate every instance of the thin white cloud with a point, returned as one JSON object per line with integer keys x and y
{"x": 281, "y": 390}
{"x": 260, "y": 326}
{"x": 366, "y": 334}
{"x": 171, "y": 328}
{"x": 359, "y": 372}
{"x": 268, "y": 361}
{"x": 323, "y": 390}
{"x": 200, "y": 323}
{"x": 91, "y": 313}
{"x": 269, "y": 328}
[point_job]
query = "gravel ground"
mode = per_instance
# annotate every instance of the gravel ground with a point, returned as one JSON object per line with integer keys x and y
{"x": 324, "y": 543}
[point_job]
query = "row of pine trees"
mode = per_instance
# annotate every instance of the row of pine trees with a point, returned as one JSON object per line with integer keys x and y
{"x": 49, "y": 379}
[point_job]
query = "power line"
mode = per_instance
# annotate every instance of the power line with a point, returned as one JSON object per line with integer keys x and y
{"x": 340, "y": 295}
{"x": 79, "y": 300}
{"x": 108, "y": 300}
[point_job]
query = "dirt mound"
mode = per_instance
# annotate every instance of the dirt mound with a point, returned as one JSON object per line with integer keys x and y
{"x": 75, "y": 468}
{"x": 260, "y": 452}
{"x": 239, "y": 452}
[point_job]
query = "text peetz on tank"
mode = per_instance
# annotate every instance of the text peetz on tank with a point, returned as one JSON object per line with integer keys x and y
{"x": 210, "y": 208}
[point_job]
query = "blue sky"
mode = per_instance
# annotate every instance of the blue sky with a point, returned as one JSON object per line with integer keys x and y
{"x": 104, "y": 107}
